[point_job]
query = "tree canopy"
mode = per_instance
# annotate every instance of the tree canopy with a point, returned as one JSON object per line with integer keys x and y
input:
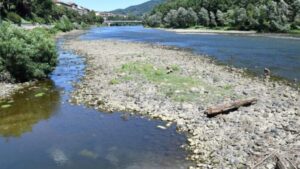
{"x": 261, "y": 15}
{"x": 43, "y": 11}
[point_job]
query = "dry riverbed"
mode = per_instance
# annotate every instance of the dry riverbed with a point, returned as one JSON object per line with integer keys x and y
{"x": 177, "y": 86}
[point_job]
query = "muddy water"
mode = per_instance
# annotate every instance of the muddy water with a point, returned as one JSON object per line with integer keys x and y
{"x": 39, "y": 129}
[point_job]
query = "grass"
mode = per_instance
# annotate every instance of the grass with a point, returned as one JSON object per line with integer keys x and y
{"x": 172, "y": 83}
{"x": 222, "y": 28}
{"x": 295, "y": 32}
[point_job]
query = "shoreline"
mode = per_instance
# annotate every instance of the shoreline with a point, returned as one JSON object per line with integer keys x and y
{"x": 206, "y": 31}
{"x": 8, "y": 89}
{"x": 116, "y": 82}
{"x": 232, "y": 32}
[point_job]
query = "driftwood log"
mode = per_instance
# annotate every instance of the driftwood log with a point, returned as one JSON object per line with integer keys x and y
{"x": 280, "y": 162}
{"x": 224, "y": 108}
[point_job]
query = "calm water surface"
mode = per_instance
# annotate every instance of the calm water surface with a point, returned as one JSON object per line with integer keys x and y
{"x": 281, "y": 55}
{"x": 43, "y": 131}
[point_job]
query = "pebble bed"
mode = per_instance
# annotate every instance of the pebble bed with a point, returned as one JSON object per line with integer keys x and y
{"x": 240, "y": 139}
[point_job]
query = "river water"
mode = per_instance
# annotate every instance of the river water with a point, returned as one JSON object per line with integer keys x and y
{"x": 281, "y": 55}
{"x": 41, "y": 130}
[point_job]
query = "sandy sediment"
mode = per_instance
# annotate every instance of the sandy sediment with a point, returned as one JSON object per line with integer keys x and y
{"x": 116, "y": 81}
{"x": 208, "y": 31}
{"x": 232, "y": 32}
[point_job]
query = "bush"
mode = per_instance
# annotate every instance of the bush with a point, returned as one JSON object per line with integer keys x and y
{"x": 186, "y": 18}
{"x": 154, "y": 20}
{"x": 170, "y": 19}
{"x": 26, "y": 55}
{"x": 15, "y": 18}
{"x": 64, "y": 24}
{"x": 204, "y": 17}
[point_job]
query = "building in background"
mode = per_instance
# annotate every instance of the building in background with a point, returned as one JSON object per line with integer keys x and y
{"x": 71, "y": 5}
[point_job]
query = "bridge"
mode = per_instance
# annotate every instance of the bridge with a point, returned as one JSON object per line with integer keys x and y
{"x": 115, "y": 22}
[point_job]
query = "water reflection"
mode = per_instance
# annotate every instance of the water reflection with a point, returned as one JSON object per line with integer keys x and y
{"x": 37, "y": 103}
{"x": 45, "y": 131}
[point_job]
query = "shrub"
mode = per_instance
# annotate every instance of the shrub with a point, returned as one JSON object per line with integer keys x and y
{"x": 186, "y": 18}
{"x": 26, "y": 55}
{"x": 154, "y": 20}
{"x": 170, "y": 19}
{"x": 204, "y": 17}
{"x": 15, "y": 18}
{"x": 64, "y": 24}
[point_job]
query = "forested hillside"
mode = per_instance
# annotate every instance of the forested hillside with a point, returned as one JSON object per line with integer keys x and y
{"x": 42, "y": 11}
{"x": 261, "y": 15}
{"x": 139, "y": 10}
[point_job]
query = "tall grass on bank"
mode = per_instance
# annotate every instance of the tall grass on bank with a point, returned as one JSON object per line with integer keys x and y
{"x": 25, "y": 55}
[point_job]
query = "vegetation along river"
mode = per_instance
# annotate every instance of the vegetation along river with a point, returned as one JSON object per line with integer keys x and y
{"x": 280, "y": 54}
{"x": 40, "y": 129}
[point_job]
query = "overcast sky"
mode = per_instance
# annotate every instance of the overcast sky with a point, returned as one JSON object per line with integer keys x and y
{"x": 106, "y": 5}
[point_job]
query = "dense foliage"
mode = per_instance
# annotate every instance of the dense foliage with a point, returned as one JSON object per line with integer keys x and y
{"x": 43, "y": 12}
{"x": 261, "y": 15}
{"x": 25, "y": 55}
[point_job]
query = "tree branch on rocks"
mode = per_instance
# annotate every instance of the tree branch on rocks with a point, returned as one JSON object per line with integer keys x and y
{"x": 281, "y": 162}
{"x": 225, "y": 108}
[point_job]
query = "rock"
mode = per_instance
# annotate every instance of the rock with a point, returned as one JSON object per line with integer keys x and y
{"x": 161, "y": 127}
{"x": 232, "y": 138}
{"x": 270, "y": 166}
{"x": 194, "y": 90}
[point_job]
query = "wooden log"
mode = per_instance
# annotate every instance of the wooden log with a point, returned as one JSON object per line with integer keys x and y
{"x": 212, "y": 111}
{"x": 280, "y": 163}
{"x": 284, "y": 163}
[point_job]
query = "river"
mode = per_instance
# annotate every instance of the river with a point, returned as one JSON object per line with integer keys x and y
{"x": 281, "y": 55}
{"x": 41, "y": 130}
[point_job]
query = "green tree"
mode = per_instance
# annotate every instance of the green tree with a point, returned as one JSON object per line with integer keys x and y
{"x": 170, "y": 19}
{"x": 220, "y": 18}
{"x": 213, "y": 22}
{"x": 204, "y": 17}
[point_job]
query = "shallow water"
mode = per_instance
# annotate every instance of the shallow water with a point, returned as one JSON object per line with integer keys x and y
{"x": 281, "y": 55}
{"x": 41, "y": 130}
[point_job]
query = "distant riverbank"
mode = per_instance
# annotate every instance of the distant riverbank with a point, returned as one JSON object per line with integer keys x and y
{"x": 207, "y": 31}
{"x": 178, "y": 86}
{"x": 290, "y": 35}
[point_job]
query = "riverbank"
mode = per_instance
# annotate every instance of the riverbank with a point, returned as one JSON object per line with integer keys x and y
{"x": 207, "y": 31}
{"x": 178, "y": 86}
{"x": 290, "y": 35}
{"x": 7, "y": 89}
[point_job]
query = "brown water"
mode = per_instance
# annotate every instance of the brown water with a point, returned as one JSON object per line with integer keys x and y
{"x": 41, "y": 130}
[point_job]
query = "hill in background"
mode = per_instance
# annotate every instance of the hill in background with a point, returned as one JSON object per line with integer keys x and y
{"x": 139, "y": 10}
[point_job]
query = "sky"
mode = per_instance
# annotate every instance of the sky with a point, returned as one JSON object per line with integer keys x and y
{"x": 106, "y": 5}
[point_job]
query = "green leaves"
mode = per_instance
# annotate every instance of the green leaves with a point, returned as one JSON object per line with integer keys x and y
{"x": 263, "y": 15}
{"x": 26, "y": 55}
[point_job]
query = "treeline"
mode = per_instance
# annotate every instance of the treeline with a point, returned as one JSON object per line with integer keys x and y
{"x": 43, "y": 12}
{"x": 260, "y": 15}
